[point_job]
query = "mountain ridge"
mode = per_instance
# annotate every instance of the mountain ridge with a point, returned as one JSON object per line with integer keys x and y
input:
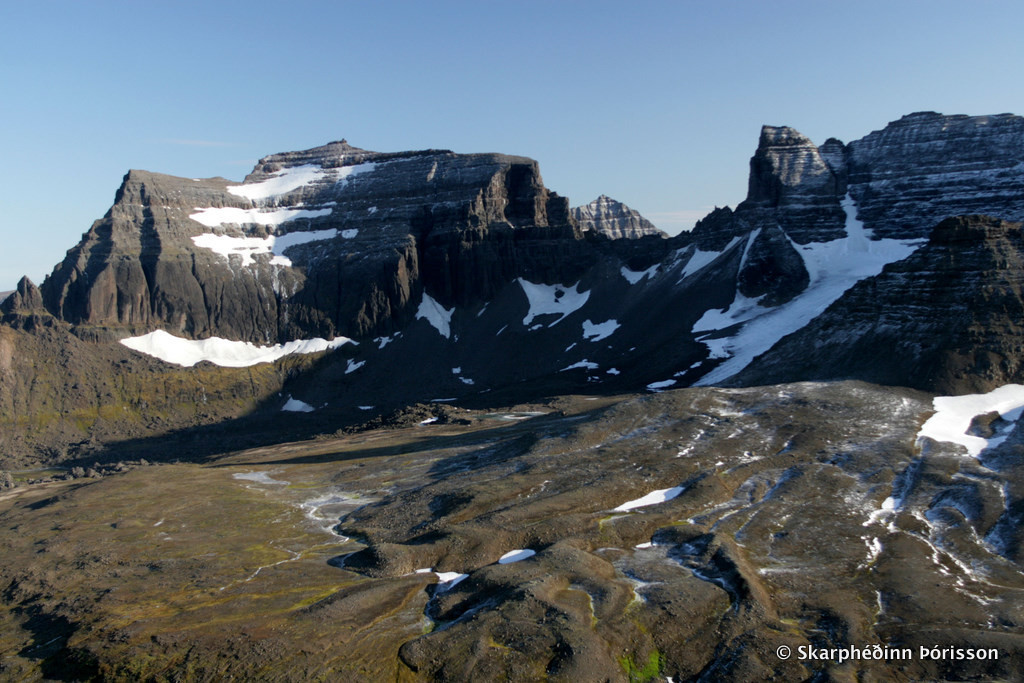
{"x": 473, "y": 258}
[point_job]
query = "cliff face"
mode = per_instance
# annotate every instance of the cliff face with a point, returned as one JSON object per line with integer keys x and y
{"x": 332, "y": 240}
{"x": 926, "y": 167}
{"x": 947, "y": 319}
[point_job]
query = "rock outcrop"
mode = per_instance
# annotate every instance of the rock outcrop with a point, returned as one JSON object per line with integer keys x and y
{"x": 947, "y": 319}
{"x": 613, "y": 219}
{"x": 25, "y": 299}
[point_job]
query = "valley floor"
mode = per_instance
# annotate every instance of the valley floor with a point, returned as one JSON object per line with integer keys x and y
{"x": 693, "y": 534}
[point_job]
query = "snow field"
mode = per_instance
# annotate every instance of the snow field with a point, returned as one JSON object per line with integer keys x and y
{"x": 289, "y": 179}
{"x": 223, "y": 352}
{"x": 834, "y": 267}
{"x": 436, "y": 314}
{"x": 953, "y": 416}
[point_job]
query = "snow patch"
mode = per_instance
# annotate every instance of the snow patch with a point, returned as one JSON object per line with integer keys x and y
{"x": 213, "y": 217}
{"x": 598, "y": 331}
{"x": 353, "y": 366}
{"x": 652, "y": 498}
{"x": 516, "y": 555}
{"x": 954, "y": 414}
{"x": 349, "y": 234}
{"x": 223, "y": 352}
{"x": 294, "y": 405}
{"x": 834, "y": 267}
{"x": 384, "y": 341}
{"x": 560, "y": 300}
{"x": 436, "y": 314}
{"x": 658, "y": 386}
{"x": 582, "y": 364}
{"x": 700, "y": 259}
{"x": 289, "y": 179}
{"x": 257, "y": 477}
{"x": 247, "y": 247}
{"x": 635, "y": 276}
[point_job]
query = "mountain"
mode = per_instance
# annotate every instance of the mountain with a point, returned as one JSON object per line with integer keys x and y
{"x": 408, "y": 416}
{"x": 613, "y": 219}
{"x": 470, "y": 262}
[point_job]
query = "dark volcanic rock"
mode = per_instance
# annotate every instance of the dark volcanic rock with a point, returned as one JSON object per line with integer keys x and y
{"x": 25, "y": 299}
{"x": 792, "y": 185}
{"x": 772, "y": 269}
{"x": 613, "y": 219}
{"x": 947, "y": 319}
{"x": 379, "y": 228}
{"x": 927, "y": 167}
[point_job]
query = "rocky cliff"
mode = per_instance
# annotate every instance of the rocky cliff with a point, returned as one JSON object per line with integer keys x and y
{"x": 946, "y": 319}
{"x": 328, "y": 241}
{"x": 926, "y": 167}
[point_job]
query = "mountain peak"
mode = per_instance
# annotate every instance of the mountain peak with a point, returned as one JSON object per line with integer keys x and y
{"x": 613, "y": 219}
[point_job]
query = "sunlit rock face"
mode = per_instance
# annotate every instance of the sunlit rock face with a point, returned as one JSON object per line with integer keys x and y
{"x": 326, "y": 241}
{"x": 926, "y": 167}
{"x": 613, "y": 219}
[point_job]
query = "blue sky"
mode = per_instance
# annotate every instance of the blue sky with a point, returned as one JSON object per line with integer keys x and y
{"x": 657, "y": 104}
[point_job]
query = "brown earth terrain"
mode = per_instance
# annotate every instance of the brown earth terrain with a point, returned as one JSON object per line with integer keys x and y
{"x": 319, "y": 559}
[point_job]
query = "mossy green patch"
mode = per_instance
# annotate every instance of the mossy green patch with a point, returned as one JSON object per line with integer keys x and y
{"x": 642, "y": 672}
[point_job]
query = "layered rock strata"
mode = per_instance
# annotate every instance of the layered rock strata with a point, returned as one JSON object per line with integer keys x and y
{"x": 613, "y": 219}
{"x": 946, "y": 319}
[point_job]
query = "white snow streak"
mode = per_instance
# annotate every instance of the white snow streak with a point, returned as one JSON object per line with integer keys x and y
{"x": 834, "y": 267}
{"x": 223, "y": 352}
{"x": 700, "y": 259}
{"x": 436, "y": 314}
{"x": 652, "y": 498}
{"x": 289, "y": 179}
{"x": 516, "y": 555}
{"x": 585, "y": 364}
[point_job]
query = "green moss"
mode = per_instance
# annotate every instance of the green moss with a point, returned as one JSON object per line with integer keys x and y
{"x": 642, "y": 674}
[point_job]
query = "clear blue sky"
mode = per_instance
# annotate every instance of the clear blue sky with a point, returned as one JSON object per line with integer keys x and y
{"x": 657, "y": 104}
